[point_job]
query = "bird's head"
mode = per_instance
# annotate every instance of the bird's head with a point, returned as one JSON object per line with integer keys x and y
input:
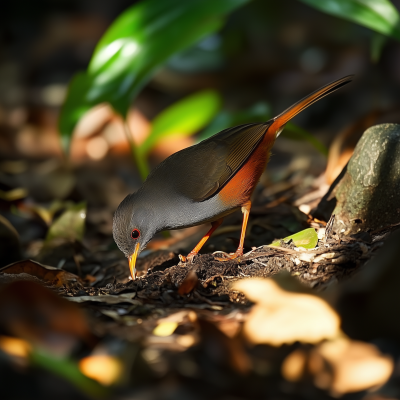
{"x": 132, "y": 229}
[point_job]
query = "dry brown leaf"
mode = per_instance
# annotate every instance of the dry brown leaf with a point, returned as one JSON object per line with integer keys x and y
{"x": 189, "y": 283}
{"x": 294, "y": 365}
{"x": 356, "y": 365}
{"x": 340, "y": 366}
{"x": 56, "y": 277}
{"x": 108, "y": 299}
{"x": 280, "y": 316}
{"x": 32, "y": 312}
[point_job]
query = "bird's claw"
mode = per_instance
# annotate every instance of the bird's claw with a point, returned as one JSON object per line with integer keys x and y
{"x": 188, "y": 258}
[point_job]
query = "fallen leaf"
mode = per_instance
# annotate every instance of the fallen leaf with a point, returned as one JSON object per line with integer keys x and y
{"x": 189, "y": 283}
{"x": 355, "y": 365}
{"x": 294, "y": 365}
{"x": 32, "y": 312}
{"x": 308, "y": 238}
{"x": 108, "y": 299}
{"x": 13, "y": 194}
{"x": 69, "y": 225}
{"x": 56, "y": 277}
{"x": 165, "y": 329}
{"x": 341, "y": 366}
{"x": 281, "y": 316}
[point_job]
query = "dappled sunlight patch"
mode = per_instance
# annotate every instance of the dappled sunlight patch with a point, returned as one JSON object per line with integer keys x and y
{"x": 355, "y": 365}
{"x": 165, "y": 328}
{"x": 283, "y": 317}
{"x": 14, "y": 346}
{"x": 103, "y": 368}
{"x": 340, "y": 366}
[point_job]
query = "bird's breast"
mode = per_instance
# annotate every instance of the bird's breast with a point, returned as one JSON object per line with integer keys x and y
{"x": 241, "y": 186}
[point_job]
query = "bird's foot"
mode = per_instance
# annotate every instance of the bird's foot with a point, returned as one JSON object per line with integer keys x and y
{"x": 188, "y": 258}
{"x": 229, "y": 256}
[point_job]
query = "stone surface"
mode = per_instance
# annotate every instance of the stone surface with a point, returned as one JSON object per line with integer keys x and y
{"x": 366, "y": 195}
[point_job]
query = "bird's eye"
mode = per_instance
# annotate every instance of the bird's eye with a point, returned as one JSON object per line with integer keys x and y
{"x": 135, "y": 234}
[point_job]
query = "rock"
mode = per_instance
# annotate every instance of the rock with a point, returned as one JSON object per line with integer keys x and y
{"x": 365, "y": 196}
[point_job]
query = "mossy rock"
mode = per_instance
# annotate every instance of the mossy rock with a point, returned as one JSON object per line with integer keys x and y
{"x": 366, "y": 195}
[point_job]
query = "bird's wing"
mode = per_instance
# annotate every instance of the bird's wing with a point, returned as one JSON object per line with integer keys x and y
{"x": 202, "y": 170}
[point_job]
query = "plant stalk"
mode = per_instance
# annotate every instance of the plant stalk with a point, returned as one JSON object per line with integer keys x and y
{"x": 138, "y": 158}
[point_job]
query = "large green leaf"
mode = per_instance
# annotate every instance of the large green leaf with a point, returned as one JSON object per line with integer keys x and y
{"x": 307, "y": 238}
{"x": 140, "y": 40}
{"x": 184, "y": 117}
{"x": 378, "y": 15}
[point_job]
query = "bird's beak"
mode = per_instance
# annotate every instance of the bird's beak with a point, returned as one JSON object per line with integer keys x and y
{"x": 132, "y": 261}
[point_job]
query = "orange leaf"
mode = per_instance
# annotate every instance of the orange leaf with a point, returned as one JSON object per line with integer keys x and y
{"x": 189, "y": 283}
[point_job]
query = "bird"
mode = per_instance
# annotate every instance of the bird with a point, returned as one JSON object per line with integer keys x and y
{"x": 204, "y": 183}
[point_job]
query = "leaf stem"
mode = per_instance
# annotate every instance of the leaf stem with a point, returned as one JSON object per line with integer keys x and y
{"x": 137, "y": 156}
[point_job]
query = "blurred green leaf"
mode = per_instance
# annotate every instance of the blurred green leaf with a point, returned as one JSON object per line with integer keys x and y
{"x": 307, "y": 238}
{"x": 69, "y": 225}
{"x": 378, "y": 42}
{"x": 378, "y": 15}
{"x": 294, "y": 132}
{"x": 206, "y": 55}
{"x": 140, "y": 40}
{"x": 68, "y": 370}
{"x": 183, "y": 118}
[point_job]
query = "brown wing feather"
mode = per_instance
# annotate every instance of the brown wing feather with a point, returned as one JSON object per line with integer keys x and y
{"x": 202, "y": 170}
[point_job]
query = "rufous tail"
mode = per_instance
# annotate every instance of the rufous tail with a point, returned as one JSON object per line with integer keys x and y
{"x": 298, "y": 107}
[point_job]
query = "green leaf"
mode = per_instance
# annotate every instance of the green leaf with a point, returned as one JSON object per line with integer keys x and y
{"x": 69, "y": 225}
{"x": 378, "y": 42}
{"x": 378, "y": 15}
{"x": 68, "y": 370}
{"x": 294, "y": 132}
{"x": 183, "y": 118}
{"x": 138, "y": 42}
{"x": 307, "y": 239}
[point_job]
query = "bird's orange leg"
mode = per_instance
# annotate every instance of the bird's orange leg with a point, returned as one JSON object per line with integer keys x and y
{"x": 194, "y": 252}
{"x": 239, "y": 252}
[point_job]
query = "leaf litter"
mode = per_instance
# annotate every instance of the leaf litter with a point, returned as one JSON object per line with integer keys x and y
{"x": 182, "y": 314}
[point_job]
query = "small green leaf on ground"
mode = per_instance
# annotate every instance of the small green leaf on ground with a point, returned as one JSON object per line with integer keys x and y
{"x": 307, "y": 238}
{"x": 69, "y": 225}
